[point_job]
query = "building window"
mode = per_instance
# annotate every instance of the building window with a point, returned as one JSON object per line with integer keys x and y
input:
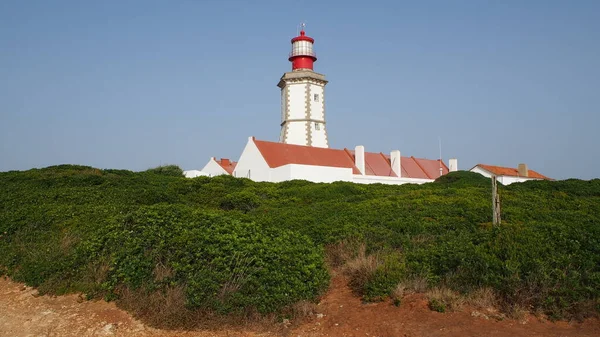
{"x": 317, "y": 126}
{"x": 316, "y": 97}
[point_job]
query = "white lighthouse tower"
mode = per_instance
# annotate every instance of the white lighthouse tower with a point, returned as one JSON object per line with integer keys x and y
{"x": 303, "y": 97}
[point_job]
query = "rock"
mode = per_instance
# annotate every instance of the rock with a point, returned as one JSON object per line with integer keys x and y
{"x": 107, "y": 330}
{"x": 479, "y": 314}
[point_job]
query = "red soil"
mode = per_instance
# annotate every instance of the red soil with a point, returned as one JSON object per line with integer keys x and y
{"x": 23, "y": 313}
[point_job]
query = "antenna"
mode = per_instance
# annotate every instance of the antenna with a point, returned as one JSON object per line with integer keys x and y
{"x": 440, "y": 142}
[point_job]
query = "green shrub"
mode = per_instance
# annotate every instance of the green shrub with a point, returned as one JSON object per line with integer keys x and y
{"x": 385, "y": 278}
{"x": 230, "y": 244}
{"x": 167, "y": 170}
{"x": 437, "y": 305}
{"x": 464, "y": 178}
{"x": 226, "y": 265}
{"x": 244, "y": 201}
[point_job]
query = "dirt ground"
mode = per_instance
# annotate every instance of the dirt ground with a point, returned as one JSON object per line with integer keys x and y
{"x": 340, "y": 313}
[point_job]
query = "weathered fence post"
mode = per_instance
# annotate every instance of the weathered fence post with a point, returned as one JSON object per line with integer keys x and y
{"x": 496, "y": 219}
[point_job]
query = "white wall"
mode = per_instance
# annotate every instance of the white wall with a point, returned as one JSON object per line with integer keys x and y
{"x": 283, "y": 104}
{"x": 364, "y": 179}
{"x": 317, "y": 113}
{"x": 194, "y": 173}
{"x": 251, "y": 164}
{"x": 506, "y": 180}
{"x": 321, "y": 174}
{"x": 296, "y": 133}
{"x": 317, "y": 174}
{"x": 317, "y": 108}
{"x": 297, "y": 100}
{"x": 324, "y": 174}
{"x": 319, "y": 138}
{"x": 282, "y": 173}
{"x": 212, "y": 168}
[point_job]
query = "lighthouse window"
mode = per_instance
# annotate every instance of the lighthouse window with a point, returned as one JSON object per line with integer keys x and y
{"x": 316, "y": 97}
{"x": 317, "y": 126}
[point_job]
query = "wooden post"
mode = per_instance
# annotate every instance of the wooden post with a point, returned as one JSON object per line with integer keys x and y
{"x": 496, "y": 219}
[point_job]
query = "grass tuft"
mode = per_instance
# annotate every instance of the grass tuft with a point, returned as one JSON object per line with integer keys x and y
{"x": 444, "y": 299}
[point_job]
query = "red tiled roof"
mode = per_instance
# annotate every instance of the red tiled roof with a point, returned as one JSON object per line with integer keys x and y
{"x": 376, "y": 164}
{"x": 420, "y": 168}
{"x": 227, "y": 164}
{"x": 431, "y": 167}
{"x": 509, "y": 171}
{"x": 279, "y": 154}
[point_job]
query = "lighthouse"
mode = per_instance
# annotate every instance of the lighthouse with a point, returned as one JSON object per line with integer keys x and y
{"x": 303, "y": 97}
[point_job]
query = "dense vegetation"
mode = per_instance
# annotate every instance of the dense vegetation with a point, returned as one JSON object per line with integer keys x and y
{"x": 230, "y": 245}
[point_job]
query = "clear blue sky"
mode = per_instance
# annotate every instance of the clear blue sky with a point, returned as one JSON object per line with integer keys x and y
{"x": 137, "y": 84}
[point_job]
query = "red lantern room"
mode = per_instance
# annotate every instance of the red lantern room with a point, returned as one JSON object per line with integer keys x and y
{"x": 302, "y": 55}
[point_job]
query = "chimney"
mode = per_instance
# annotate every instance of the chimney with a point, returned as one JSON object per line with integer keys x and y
{"x": 453, "y": 162}
{"x": 359, "y": 158}
{"x": 224, "y": 162}
{"x": 523, "y": 171}
{"x": 395, "y": 161}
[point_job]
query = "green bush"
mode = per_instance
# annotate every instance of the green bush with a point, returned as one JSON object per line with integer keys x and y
{"x": 244, "y": 201}
{"x": 225, "y": 264}
{"x": 464, "y": 178}
{"x": 437, "y": 305}
{"x": 233, "y": 244}
{"x": 167, "y": 170}
{"x": 385, "y": 278}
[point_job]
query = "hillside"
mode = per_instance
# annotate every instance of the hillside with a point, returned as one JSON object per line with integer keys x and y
{"x": 170, "y": 249}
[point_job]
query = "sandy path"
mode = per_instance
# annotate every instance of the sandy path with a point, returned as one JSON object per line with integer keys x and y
{"x": 23, "y": 313}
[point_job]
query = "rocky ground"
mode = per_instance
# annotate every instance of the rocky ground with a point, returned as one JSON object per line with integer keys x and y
{"x": 340, "y": 313}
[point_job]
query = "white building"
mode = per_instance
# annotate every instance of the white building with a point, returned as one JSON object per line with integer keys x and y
{"x": 276, "y": 162}
{"x": 303, "y": 149}
{"x": 508, "y": 175}
{"x": 219, "y": 167}
{"x": 303, "y": 98}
